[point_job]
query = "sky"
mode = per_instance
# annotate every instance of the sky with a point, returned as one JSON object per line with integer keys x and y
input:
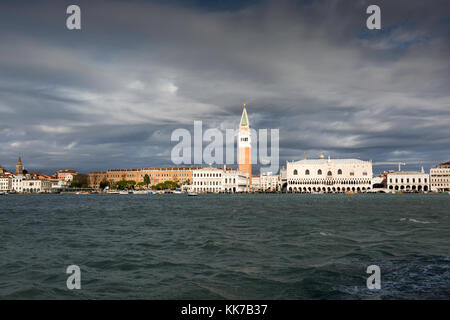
{"x": 111, "y": 94}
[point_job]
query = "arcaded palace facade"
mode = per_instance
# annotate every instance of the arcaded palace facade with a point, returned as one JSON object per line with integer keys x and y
{"x": 329, "y": 175}
{"x": 408, "y": 181}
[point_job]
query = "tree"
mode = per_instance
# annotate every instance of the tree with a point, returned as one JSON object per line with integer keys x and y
{"x": 146, "y": 180}
{"x": 126, "y": 184}
{"x": 140, "y": 184}
{"x": 171, "y": 185}
{"x": 75, "y": 184}
{"x": 104, "y": 183}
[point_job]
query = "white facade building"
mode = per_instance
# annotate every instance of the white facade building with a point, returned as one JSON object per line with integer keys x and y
{"x": 235, "y": 181}
{"x": 408, "y": 181}
{"x": 36, "y": 185}
{"x": 440, "y": 177}
{"x": 27, "y": 184}
{"x": 215, "y": 180}
{"x": 331, "y": 175}
{"x": 269, "y": 182}
{"x": 5, "y": 183}
{"x": 255, "y": 186}
{"x": 16, "y": 182}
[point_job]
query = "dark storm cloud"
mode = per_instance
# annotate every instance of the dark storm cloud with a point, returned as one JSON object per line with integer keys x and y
{"x": 111, "y": 94}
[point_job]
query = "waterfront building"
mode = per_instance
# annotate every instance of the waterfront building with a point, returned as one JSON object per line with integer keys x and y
{"x": 5, "y": 183}
{"x": 182, "y": 175}
{"x": 331, "y": 175}
{"x": 207, "y": 180}
{"x": 440, "y": 177}
{"x": 255, "y": 186}
{"x": 36, "y": 186}
{"x": 408, "y": 181}
{"x": 235, "y": 181}
{"x": 66, "y": 175}
{"x": 95, "y": 178}
{"x": 215, "y": 180}
{"x": 17, "y": 182}
{"x": 269, "y": 182}
{"x": 283, "y": 179}
{"x": 245, "y": 148}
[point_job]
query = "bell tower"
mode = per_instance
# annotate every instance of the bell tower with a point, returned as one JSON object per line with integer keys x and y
{"x": 19, "y": 166}
{"x": 245, "y": 148}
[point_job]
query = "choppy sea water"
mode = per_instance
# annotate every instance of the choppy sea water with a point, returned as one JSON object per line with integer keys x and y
{"x": 261, "y": 246}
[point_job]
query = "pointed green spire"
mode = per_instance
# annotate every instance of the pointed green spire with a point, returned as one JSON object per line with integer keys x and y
{"x": 244, "y": 118}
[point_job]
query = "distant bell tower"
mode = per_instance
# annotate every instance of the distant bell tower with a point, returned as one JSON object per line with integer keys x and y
{"x": 245, "y": 148}
{"x": 19, "y": 166}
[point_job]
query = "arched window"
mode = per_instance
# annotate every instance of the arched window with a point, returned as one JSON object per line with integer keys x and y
{"x": 339, "y": 171}
{"x": 329, "y": 173}
{"x": 295, "y": 172}
{"x": 319, "y": 172}
{"x": 307, "y": 172}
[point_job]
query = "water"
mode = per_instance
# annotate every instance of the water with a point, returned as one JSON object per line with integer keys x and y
{"x": 279, "y": 246}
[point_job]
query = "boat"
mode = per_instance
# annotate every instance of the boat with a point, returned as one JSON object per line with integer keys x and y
{"x": 3, "y": 193}
{"x": 125, "y": 192}
{"x": 83, "y": 192}
{"x": 140, "y": 192}
{"x": 113, "y": 192}
{"x": 177, "y": 191}
{"x": 192, "y": 194}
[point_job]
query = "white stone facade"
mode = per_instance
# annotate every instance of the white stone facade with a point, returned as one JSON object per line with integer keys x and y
{"x": 440, "y": 177}
{"x": 5, "y": 183}
{"x": 26, "y": 184}
{"x": 16, "y": 183}
{"x": 269, "y": 182}
{"x": 36, "y": 186}
{"x": 216, "y": 180}
{"x": 329, "y": 175}
{"x": 408, "y": 181}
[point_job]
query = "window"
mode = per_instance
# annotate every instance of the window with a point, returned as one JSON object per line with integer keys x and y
{"x": 364, "y": 173}
{"x": 295, "y": 172}
{"x": 319, "y": 172}
{"x": 307, "y": 172}
{"x": 339, "y": 171}
{"x": 329, "y": 173}
{"x": 352, "y": 173}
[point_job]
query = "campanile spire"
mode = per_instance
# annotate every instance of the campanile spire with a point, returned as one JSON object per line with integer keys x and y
{"x": 19, "y": 166}
{"x": 245, "y": 148}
